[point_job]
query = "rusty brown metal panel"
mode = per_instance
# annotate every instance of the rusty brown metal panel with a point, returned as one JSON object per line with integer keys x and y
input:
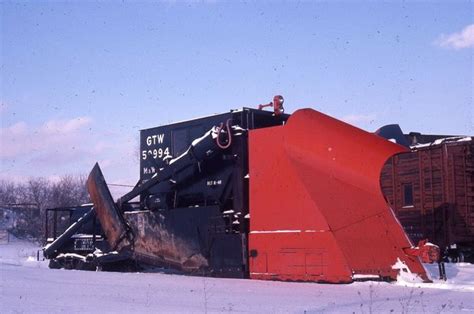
{"x": 109, "y": 216}
{"x": 443, "y": 191}
{"x": 155, "y": 244}
{"x": 422, "y": 191}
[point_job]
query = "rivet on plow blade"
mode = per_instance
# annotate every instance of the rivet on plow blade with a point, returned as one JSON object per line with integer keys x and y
{"x": 318, "y": 212}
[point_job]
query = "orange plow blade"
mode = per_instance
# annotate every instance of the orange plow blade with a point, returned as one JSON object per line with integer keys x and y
{"x": 317, "y": 210}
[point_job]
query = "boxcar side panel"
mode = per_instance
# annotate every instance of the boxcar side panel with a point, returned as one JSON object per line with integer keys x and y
{"x": 431, "y": 190}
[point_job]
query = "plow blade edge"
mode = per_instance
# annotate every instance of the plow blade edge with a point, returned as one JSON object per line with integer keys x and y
{"x": 107, "y": 212}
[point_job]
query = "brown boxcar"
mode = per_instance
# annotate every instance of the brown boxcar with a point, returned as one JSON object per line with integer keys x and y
{"x": 431, "y": 190}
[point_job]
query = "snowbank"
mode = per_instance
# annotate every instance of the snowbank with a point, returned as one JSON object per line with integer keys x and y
{"x": 20, "y": 253}
{"x": 27, "y": 286}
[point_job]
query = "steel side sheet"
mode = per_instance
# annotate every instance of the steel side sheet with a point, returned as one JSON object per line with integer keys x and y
{"x": 328, "y": 170}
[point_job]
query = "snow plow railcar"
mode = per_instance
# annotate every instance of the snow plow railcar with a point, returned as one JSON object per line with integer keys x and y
{"x": 255, "y": 194}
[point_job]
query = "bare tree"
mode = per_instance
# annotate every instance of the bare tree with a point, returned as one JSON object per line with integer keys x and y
{"x": 31, "y": 199}
{"x": 8, "y": 192}
{"x": 69, "y": 191}
{"x": 39, "y": 192}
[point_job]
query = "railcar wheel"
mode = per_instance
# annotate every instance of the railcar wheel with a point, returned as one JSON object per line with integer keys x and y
{"x": 54, "y": 264}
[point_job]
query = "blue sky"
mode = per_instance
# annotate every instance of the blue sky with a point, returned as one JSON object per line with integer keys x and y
{"x": 79, "y": 79}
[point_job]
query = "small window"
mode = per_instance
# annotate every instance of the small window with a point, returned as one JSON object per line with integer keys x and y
{"x": 407, "y": 195}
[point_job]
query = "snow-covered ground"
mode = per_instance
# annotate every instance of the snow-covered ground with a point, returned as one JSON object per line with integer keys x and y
{"x": 28, "y": 286}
